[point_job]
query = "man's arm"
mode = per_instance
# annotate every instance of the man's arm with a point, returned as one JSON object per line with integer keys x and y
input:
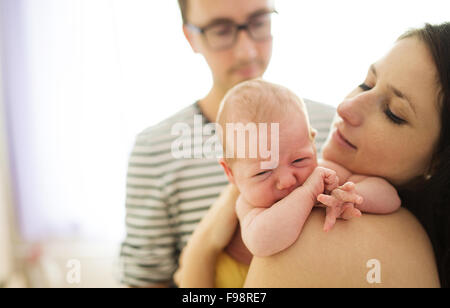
{"x": 396, "y": 244}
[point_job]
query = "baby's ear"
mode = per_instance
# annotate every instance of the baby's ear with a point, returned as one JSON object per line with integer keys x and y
{"x": 313, "y": 133}
{"x": 227, "y": 170}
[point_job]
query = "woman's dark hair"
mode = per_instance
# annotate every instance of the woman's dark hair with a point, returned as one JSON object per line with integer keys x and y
{"x": 429, "y": 198}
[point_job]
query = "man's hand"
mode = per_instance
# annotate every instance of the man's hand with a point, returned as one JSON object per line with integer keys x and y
{"x": 341, "y": 203}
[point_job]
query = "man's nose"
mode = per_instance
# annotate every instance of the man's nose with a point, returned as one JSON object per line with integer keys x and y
{"x": 286, "y": 181}
{"x": 351, "y": 110}
{"x": 245, "y": 48}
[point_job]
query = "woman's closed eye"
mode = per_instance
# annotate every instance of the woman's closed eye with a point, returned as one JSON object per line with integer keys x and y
{"x": 365, "y": 87}
{"x": 392, "y": 117}
{"x": 387, "y": 111}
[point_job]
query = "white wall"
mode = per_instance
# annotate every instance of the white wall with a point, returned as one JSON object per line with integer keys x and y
{"x": 86, "y": 76}
{"x": 5, "y": 197}
{"x": 323, "y": 48}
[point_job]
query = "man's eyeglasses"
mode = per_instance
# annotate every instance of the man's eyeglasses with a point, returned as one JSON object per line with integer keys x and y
{"x": 223, "y": 34}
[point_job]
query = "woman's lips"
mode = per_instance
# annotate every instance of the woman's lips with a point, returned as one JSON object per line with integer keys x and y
{"x": 341, "y": 140}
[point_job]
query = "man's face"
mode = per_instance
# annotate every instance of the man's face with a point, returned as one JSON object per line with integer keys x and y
{"x": 247, "y": 58}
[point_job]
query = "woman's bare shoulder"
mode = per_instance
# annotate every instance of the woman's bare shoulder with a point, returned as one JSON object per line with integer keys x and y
{"x": 391, "y": 249}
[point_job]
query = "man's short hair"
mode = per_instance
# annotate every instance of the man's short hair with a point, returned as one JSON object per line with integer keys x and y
{"x": 183, "y": 8}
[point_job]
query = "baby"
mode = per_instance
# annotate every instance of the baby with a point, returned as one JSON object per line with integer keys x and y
{"x": 277, "y": 195}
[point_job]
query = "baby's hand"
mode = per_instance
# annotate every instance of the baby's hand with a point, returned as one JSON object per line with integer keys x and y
{"x": 341, "y": 204}
{"x": 322, "y": 180}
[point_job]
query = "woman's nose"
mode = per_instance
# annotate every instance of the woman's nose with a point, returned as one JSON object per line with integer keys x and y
{"x": 351, "y": 110}
{"x": 286, "y": 181}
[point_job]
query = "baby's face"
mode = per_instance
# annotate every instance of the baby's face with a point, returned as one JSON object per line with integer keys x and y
{"x": 297, "y": 160}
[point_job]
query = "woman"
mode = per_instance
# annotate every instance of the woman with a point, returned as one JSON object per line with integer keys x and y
{"x": 396, "y": 126}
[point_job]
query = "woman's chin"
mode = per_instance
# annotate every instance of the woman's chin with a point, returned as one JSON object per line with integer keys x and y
{"x": 338, "y": 156}
{"x": 330, "y": 153}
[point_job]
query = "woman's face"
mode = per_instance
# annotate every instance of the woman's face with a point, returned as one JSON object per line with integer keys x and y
{"x": 390, "y": 124}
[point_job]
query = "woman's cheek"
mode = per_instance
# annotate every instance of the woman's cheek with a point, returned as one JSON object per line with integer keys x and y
{"x": 388, "y": 154}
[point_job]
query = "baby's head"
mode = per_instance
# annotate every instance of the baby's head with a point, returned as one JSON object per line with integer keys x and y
{"x": 286, "y": 135}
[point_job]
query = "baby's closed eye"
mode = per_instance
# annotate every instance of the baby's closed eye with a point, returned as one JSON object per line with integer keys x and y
{"x": 301, "y": 161}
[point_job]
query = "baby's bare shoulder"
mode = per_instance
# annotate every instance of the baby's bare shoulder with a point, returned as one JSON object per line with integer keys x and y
{"x": 394, "y": 244}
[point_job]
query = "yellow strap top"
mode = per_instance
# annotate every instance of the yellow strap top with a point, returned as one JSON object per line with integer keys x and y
{"x": 229, "y": 272}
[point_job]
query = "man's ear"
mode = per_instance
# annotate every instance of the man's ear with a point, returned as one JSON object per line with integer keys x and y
{"x": 227, "y": 170}
{"x": 190, "y": 38}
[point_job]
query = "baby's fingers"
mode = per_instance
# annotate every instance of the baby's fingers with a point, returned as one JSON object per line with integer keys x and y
{"x": 329, "y": 201}
{"x": 349, "y": 212}
{"x": 330, "y": 219}
{"x": 331, "y": 182}
{"x": 346, "y": 196}
{"x": 349, "y": 186}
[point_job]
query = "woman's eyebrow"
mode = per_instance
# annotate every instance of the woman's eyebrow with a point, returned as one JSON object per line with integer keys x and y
{"x": 396, "y": 91}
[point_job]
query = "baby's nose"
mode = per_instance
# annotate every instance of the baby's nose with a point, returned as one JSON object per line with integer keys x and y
{"x": 286, "y": 181}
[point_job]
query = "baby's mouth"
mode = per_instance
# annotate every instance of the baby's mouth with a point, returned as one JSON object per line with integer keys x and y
{"x": 287, "y": 194}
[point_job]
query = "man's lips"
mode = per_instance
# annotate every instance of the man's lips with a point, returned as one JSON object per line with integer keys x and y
{"x": 342, "y": 140}
{"x": 247, "y": 71}
{"x": 248, "y": 68}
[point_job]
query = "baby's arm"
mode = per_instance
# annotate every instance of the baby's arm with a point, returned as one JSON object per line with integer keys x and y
{"x": 266, "y": 231}
{"x": 379, "y": 196}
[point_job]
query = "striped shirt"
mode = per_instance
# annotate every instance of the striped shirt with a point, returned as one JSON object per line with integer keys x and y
{"x": 167, "y": 197}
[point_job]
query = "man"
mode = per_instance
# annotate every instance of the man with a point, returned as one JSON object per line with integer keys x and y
{"x": 167, "y": 197}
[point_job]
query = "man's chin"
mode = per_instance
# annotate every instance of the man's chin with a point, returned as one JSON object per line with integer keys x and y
{"x": 239, "y": 79}
{"x": 248, "y": 74}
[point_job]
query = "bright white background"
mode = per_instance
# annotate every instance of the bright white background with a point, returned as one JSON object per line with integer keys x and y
{"x": 5, "y": 239}
{"x": 94, "y": 73}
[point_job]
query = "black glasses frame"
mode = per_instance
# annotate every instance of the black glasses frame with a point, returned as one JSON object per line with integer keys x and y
{"x": 238, "y": 27}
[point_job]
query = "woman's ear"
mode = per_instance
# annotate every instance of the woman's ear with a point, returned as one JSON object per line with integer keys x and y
{"x": 190, "y": 38}
{"x": 227, "y": 170}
